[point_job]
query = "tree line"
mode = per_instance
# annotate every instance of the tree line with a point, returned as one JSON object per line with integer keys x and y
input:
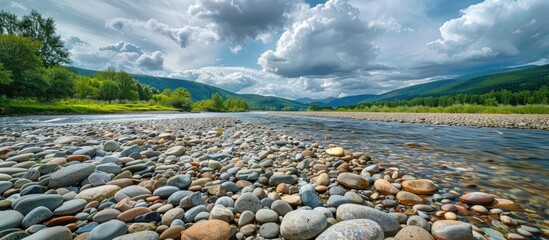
{"x": 493, "y": 98}
{"x": 31, "y": 67}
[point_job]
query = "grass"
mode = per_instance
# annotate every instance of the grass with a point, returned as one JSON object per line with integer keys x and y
{"x": 461, "y": 108}
{"x": 22, "y": 107}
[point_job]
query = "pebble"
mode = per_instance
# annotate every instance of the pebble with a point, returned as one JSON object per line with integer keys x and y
{"x": 10, "y": 219}
{"x": 354, "y": 229}
{"x": 352, "y": 181}
{"x": 247, "y": 202}
{"x": 144, "y": 235}
{"x": 108, "y": 230}
{"x": 451, "y": 230}
{"x": 269, "y": 230}
{"x": 413, "y": 233}
{"x": 477, "y": 198}
{"x": 70, "y": 175}
{"x": 216, "y": 229}
{"x": 303, "y": 224}
{"x": 35, "y": 216}
{"x": 385, "y": 187}
{"x": 57, "y": 233}
{"x": 388, "y": 223}
{"x": 420, "y": 186}
{"x": 265, "y": 216}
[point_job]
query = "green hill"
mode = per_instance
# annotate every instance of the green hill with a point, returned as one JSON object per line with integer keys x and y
{"x": 513, "y": 79}
{"x": 336, "y": 102}
{"x": 200, "y": 91}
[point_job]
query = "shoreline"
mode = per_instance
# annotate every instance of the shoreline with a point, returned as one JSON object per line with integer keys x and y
{"x": 172, "y": 179}
{"x": 510, "y": 121}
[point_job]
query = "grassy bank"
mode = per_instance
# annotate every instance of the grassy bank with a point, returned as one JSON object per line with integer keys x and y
{"x": 460, "y": 108}
{"x": 24, "y": 107}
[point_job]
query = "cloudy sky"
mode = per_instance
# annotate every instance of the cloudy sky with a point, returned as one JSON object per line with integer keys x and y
{"x": 300, "y": 48}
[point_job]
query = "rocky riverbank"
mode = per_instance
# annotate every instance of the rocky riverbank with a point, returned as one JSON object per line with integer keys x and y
{"x": 219, "y": 178}
{"x": 518, "y": 121}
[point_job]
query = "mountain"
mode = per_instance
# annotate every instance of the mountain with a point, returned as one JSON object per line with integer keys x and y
{"x": 336, "y": 102}
{"x": 307, "y": 100}
{"x": 513, "y": 79}
{"x": 200, "y": 91}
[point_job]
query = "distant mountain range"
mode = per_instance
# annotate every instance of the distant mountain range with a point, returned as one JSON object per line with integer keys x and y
{"x": 513, "y": 79}
{"x": 200, "y": 91}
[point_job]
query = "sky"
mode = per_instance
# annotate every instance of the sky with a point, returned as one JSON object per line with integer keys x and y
{"x": 300, "y": 48}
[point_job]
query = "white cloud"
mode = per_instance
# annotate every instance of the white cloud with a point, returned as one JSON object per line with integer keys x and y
{"x": 327, "y": 39}
{"x": 180, "y": 35}
{"x": 492, "y": 32}
{"x": 229, "y": 78}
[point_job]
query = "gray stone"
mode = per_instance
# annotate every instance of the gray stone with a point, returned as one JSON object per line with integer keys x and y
{"x": 144, "y": 235}
{"x": 130, "y": 192}
{"x": 192, "y": 200}
{"x": 108, "y": 230}
{"x": 281, "y": 207}
{"x": 111, "y": 146}
{"x": 37, "y": 215}
{"x": 70, "y": 175}
{"x": 451, "y": 230}
{"x": 222, "y": 213}
{"x": 419, "y": 222}
{"x": 133, "y": 149}
{"x": 265, "y": 216}
{"x": 27, "y": 203}
{"x": 388, "y": 223}
{"x": 68, "y": 139}
{"x": 165, "y": 191}
{"x": 176, "y": 150}
{"x": 280, "y": 178}
{"x": 180, "y": 181}
{"x": 352, "y": 181}
{"x": 191, "y": 213}
{"x": 269, "y": 230}
{"x": 338, "y": 200}
{"x": 105, "y": 215}
{"x": 413, "y": 232}
{"x": 70, "y": 207}
{"x": 10, "y": 219}
{"x": 99, "y": 178}
{"x": 5, "y": 185}
{"x": 246, "y": 218}
{"x": 247, "y": 202}
{"x": 303, "y": 224}
{"x": 171, "y": 215}
{"x": 57, "y": 233}
{"x": 354, "y": 229}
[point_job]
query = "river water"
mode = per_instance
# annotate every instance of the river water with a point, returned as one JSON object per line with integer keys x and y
{"x": 509, "y": 163}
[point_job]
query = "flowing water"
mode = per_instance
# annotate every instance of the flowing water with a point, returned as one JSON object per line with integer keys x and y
{"x": 509, "y": 163}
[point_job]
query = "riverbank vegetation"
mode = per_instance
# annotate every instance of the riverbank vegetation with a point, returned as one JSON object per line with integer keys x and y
{"x": 34, "y": 80}
{"x": 504, "y": 101}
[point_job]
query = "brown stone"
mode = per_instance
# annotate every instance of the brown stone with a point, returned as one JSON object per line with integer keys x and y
{"x": 449, "y": 207}
{"x": 292, "y": 200}
{"x": 82, "y": 236}
{"x": 122, "y": 183}
{"x": 125, "y": 204}
{"x": 420, "y": 186}
{"x": 413, "y": 233}
{"x": 477, "y": 198}
{"x": 129, "y": 215}
{"x": 174, "y": 232}
{"x": 323, "y": 179}
{"x": 217, "y": 190}
{"x": 408, "y": 198}
{"x": 210, "y": 229}
{"x": 505, "y": 204}
{"x": 308, "y": 153}
{"x": 385, "y": 187}
{"x": 140, "y": 227}
{"x": 58, "y": 221}
{"x": 79, "y": 158}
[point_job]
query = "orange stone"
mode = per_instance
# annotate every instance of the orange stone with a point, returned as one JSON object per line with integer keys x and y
{"x": 385, "y": 187}
{"x": 505, "y": 204}
{"x": 420, "y": 186}
{"x": 173, "y": 232}
{"x": 211, "y": 229}
{"x": 58, "y": 221}
{"x": 79, "y": 158}
{"x": 152, "y": 199}
{"x": 129, "y": 215}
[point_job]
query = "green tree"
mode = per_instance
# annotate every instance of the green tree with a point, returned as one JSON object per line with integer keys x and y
{"x": 109, "y": 90}
{"x": 61, "y": 82}
{"x": 5, "y": 76}
{"x": 86, "y": 87}
{"x": 181, "y": 98}
{"x": 314, "y": 107}
{"x": 217, "y": 102}
{"x": 8, "y": 23}
{"x": 18, "y": 55}
{"x": 52, "y": 51}
{"x": 127, "y": 85}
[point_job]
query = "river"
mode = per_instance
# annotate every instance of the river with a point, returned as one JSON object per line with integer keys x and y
{"x": 509, "y": 163}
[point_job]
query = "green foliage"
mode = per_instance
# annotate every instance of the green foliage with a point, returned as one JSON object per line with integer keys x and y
{"x": 61, "y": 81}
{"x": 217, "y": 102}
{"x": 5, "y": 76}
{"x": 75, "y": 106}
{"x": 108, "y": 90}
{"x": 86, "y": 88}
{"x": 179, "y": 98}
{"x": 18, "y": 56}
{"x": 229, "y": 105}
{"x": 34, "y": 26}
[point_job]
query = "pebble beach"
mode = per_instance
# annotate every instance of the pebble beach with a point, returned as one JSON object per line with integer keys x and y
{"x": 222, "y": 178}
{"x": 512, "y": 121}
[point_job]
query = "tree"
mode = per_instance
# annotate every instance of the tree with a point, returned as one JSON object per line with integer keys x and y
{"x": 61, "y": 82}
{"x": 52, "y": 51}
{"x": 5, "y": 76}
{"x": 127, "y": 85}
{"x": 217, "y": 101}
{"x": 86, "y": 87}
{"x": 18, "y": 55}
{"x": 109, "y": 90}
{"x": 8, "y": 23}
{"x": 314, "y": 107}
{"x": 181, "y": 98}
